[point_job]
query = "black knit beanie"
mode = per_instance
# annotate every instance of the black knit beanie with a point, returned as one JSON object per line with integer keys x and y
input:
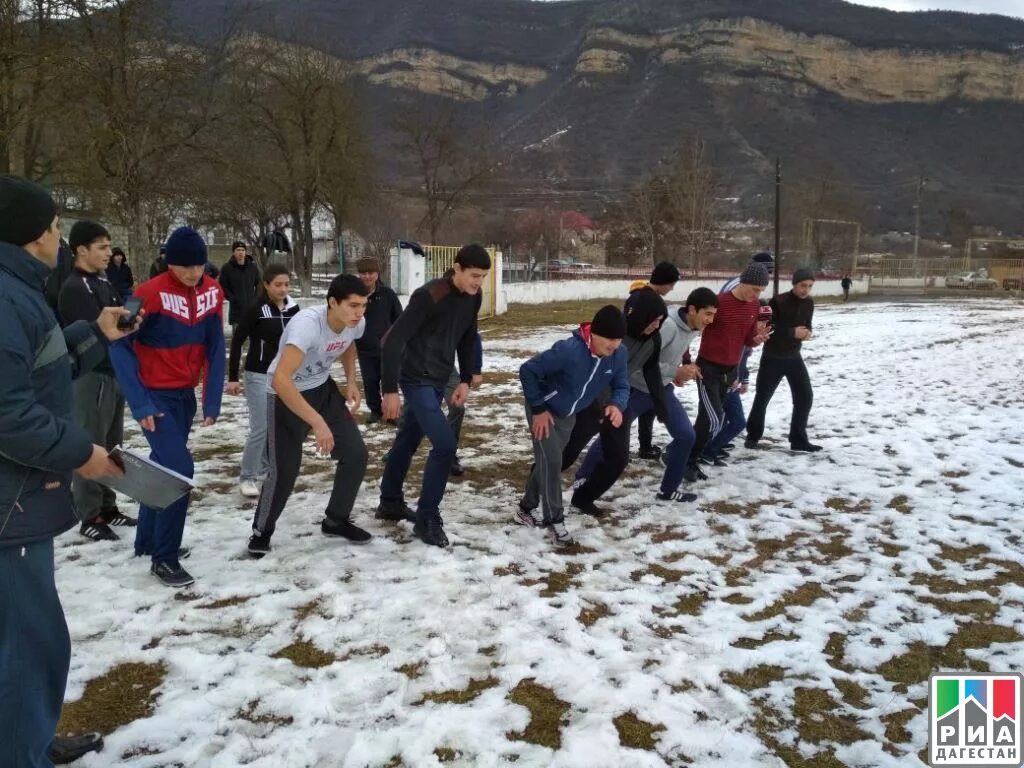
{"x": 755, "y": 274}
{"x": 236, "y": 245}
{"x": 26, "y": 210}
{"x": 765, "y": 260}
{"x": 801, "y": 274}
{"x": 643, "y": 308}
{"x": 609, "y": 322}
{"x": 664, "y": 273}
{"x": 186, "y": 248}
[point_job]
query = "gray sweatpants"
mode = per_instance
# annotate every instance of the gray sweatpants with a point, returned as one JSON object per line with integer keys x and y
{"x": 545, "y": 482}
{"x": 99, "y": 410}
{"x": 255, "y": 456}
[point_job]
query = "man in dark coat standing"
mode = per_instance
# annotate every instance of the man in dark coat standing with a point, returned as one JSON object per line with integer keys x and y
{"x": 382, "y": 309}
{"x": 240, "y": 279}
{"x": 41, "y": 447}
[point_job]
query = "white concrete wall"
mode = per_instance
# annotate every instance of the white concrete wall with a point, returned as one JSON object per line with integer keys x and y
{"x": 572, "y": 290}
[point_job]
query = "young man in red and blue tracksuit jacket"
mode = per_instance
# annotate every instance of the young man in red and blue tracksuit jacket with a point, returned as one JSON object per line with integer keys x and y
{"x": 180, "y": 342}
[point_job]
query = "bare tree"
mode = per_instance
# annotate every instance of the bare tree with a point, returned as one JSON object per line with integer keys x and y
{"x": 692, "y": 192}
{"x": 142, "y": 110}
{"x": 298, "y": 117}
{"x": 30, "y": 62}
{"x": 451, "y": 153}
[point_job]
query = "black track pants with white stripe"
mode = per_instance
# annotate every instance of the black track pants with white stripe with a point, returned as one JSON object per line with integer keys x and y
{"x": 712, "y": 389}
{"x": 286, "y": 433}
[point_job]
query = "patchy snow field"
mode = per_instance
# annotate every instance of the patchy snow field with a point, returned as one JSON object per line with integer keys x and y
{"x": 791, "y": 617}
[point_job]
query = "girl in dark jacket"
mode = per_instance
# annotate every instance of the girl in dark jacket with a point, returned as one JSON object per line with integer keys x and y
{"x": 261, "y": 324}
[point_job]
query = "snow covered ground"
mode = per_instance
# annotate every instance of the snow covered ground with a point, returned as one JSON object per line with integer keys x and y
{"x": 791, "y": 617}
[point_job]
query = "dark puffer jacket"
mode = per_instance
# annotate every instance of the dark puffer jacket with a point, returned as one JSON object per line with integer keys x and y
{"x": 241, "y": 284}
{"x": 40, "y": 444}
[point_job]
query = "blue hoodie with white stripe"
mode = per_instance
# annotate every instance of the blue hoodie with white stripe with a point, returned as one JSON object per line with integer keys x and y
{"x": 568, "y": 377}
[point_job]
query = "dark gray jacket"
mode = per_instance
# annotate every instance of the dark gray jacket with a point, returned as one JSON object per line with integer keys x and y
{"x": 420, "y": 348}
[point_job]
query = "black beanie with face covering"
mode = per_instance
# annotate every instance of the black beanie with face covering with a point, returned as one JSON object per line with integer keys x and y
{"x": 643, "y": 308}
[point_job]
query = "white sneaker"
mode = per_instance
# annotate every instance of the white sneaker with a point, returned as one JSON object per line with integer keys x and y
{"x": 528, "y": 517}
{"x": 559, "y": 536}
{"x": 249, "y": 489}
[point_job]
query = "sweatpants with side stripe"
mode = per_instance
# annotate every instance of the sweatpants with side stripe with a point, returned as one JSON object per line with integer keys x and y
{"x": 544, "y": 486}
{"x": 286, "y": 433}
{"x": 712, "y": 389}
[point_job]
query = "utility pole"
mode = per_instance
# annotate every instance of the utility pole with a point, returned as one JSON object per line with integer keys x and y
{"x": 917, "y": 219}
{"x": 778, "y": 219}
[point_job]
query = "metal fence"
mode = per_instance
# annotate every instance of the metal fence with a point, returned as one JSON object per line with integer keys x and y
{"x": 925, "y": 275}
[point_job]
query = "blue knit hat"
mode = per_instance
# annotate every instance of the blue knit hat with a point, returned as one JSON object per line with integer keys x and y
{"x": 186, "y": 248}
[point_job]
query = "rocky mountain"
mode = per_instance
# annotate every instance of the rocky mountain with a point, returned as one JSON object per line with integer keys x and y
{"x": 587, "y": 95}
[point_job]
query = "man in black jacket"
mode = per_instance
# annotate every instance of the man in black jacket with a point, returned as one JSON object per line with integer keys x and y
{"x": 382, "y": 309}
{"x": 418, "y": 354}
{"x": 41, "y": 446}
{"x": 792, "y": 323}
{"x": 159, "y": 264}
{"x": 240, "y": 279}
{"x": 99, "y": 404}
{"x": 119, "y": 273}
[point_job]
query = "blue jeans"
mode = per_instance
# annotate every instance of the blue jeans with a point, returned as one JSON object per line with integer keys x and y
{"x": 160, "y": 530}
{"x": 677, "y": 452}
{"x": 734, "y": 422}
{"x": 35, "y": 653}
{"x": 423, "y": 417}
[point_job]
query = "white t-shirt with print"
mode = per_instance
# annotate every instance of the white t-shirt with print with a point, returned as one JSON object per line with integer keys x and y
{"x": 309, "y": 331}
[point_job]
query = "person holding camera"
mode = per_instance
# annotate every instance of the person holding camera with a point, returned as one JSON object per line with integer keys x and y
{"x": 99, "y": 404}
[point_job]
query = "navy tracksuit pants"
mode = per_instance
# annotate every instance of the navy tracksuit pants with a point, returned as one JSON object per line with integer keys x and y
{"x": 35, "y": 653}
{"x": 160, "y": 530}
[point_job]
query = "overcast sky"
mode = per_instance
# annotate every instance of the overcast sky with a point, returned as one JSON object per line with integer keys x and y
{"x": 1005, "y": 7}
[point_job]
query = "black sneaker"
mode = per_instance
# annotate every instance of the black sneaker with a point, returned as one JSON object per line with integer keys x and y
{"x": 457, "y": 470}
{"x": 729, "y": 446}
{"x": 344, "y": 529}
{"x": 805, "y": 448}
{"x": 677, "y": 496}
{"x": 396, "y": 511}
{"x": 114, "y": 516}
{"x": 97, "y": 532}
{"x": 184, "y": 553}
{"x": 172, "y": 575}
{"x": 586, "y": 507}
{"x": 651, "y": 453}
{"x": 67, "y": 749}
{"x": 373, "y": 418}
{"x": 693, "y": 473}
{"x": 259, "y": 545}
{"x": 431, "y": 532}
{"x": 751, "y": 444}
{"x": 723, "y": 454}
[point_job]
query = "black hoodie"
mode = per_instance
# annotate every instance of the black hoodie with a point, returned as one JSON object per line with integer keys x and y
{"x": 642, "y": 308}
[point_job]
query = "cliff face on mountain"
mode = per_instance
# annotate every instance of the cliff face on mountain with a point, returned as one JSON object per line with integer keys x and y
{"x": 871, "y": 96}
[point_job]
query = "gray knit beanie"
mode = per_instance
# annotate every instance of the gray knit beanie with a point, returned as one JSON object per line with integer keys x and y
{"x": 755, "y": 274}
{"x": 803, "y": 273}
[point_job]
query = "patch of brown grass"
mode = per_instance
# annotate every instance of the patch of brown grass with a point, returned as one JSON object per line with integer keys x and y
{"x": 412, "y": 671}
{"x": 557, "y": 582}
{"x": 835, "y": 650}
{"x": 547, "y": 714}
{"x": 226, "y": 602}
{"x": 120, "y": 696}
{"x": 818, "y": 719}
{"x": 901, "y": 504}
{"x": 802, "y": 596}
{"x": 374, "y": 651}
{"x": 895, "y": 725}
{"x": 751, "y": 679}
{"x": 462, "y": 695}
{"x": 668, "y": 575}
{"x": 589, "y": 616}
{"x": 249, "y": 714}
{"x": 636, "y": 733}
{"x": 303, "y": 653}
{"x": 774, "y": 636}
{"x": 854, "y": 694}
